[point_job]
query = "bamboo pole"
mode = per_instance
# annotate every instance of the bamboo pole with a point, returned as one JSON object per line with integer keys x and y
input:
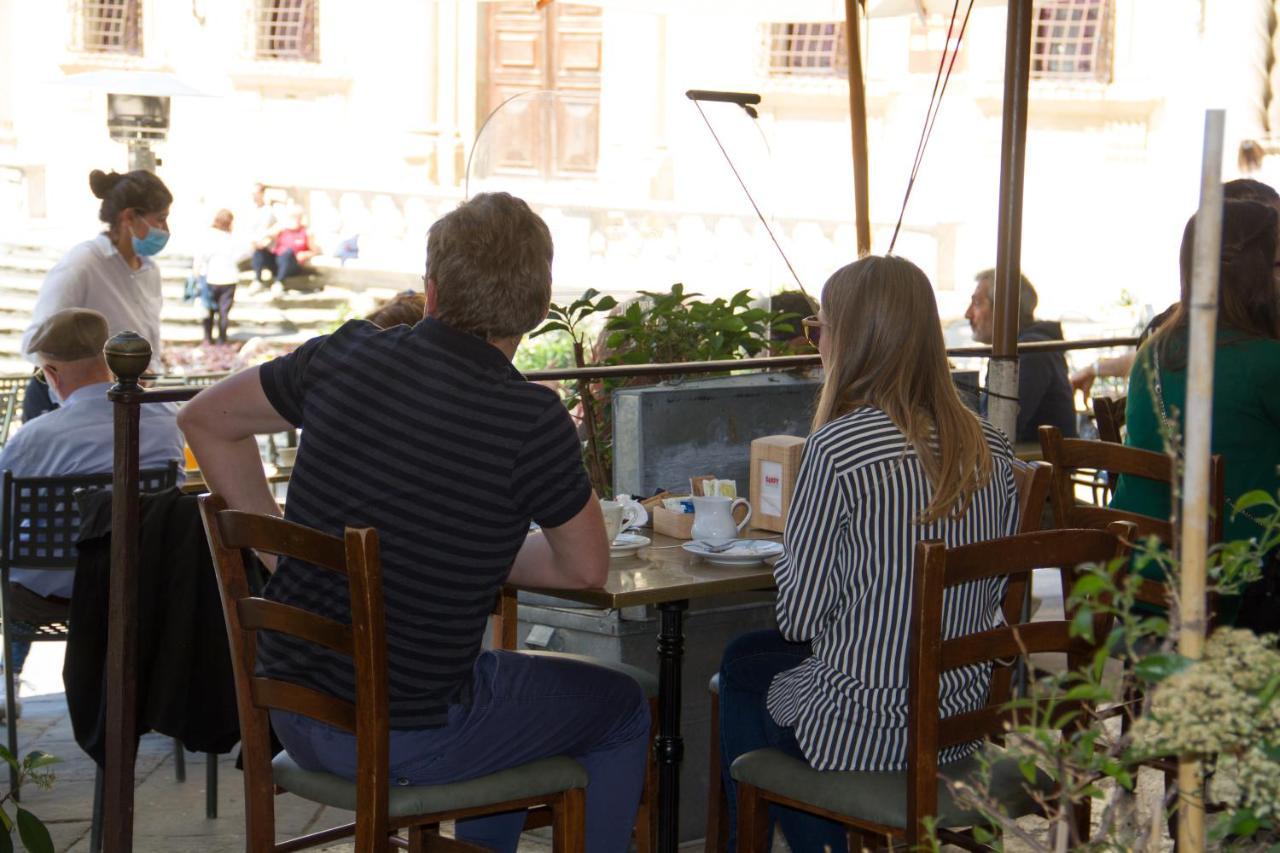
{"x": 858, "y": 126}
{"x": 1197, "y": 434}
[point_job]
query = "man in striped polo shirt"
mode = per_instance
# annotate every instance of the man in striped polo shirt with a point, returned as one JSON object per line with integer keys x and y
{"x": 429, "y": 435}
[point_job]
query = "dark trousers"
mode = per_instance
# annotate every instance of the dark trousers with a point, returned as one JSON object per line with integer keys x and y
{"x": 523, "y": 708}
{"x": 263, "y": 259}
{"x": 747, "y": 669}
{"x": 222, "y": 296}
{"x": 287, "y": 265}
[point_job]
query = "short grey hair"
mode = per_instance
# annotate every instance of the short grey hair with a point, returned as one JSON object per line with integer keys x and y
{"x": 1027, "y": 297}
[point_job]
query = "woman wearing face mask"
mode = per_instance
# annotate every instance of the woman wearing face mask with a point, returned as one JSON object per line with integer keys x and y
{"x": 113, "y": 273}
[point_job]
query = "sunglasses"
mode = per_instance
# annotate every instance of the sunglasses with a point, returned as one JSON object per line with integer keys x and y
{"x": 39, "y": 376}
{"x": 812, "y": 329}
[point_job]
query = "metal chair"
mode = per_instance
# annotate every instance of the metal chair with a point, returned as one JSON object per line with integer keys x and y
{"x": 38, "y": 530}
{"x": 557, "y": 783}
{"x": 901, "y": 805}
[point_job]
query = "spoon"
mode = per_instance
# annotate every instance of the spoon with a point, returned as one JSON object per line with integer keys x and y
{"x": 716, "y": 549}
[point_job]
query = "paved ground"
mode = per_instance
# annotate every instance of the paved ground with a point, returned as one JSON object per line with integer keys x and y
{"x": 170, "y": 816}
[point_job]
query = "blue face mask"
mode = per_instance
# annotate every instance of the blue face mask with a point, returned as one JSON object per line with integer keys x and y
{"x": 152, "y": 243}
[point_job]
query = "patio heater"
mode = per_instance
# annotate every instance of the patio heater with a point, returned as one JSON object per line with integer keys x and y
{"x": 138, "y": 121}
{"x": 137, "y": 108}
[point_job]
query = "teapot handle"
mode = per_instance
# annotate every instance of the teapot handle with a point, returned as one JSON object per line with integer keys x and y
{"x": 746, "y": 518}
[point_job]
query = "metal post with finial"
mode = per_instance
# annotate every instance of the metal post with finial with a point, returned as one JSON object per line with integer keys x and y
{"x": 128, "y": 355}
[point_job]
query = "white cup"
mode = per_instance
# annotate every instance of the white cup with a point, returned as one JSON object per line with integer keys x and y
{"x": 620, "y": 517}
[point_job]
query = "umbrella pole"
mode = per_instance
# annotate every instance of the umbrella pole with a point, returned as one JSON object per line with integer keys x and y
{"x": 1002, "y": 369}
{"x": 858, "y": 126}
{"x": 1198, "y": 420}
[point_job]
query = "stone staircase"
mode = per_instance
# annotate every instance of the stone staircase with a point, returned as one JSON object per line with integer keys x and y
{"x": 289, "y": 317}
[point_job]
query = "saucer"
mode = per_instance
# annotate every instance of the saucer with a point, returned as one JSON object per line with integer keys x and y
{"x": 627, "y": 543}
{"x": 743, "y": 552}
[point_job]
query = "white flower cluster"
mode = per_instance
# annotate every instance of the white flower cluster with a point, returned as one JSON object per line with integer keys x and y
{"x": 1215, "y": 708}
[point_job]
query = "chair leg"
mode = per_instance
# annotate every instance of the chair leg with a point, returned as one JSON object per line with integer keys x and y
{"x": 179, "y": 762}
{"x": 646, "y": 828}
{"x": 211, "y": 785}
{"x": 95, "y": 827}
{"x": 568, "y": 822}
{"x": 753, "y": 820}
{"x": 418, "y": 838}
{"x": 717, "y": 839}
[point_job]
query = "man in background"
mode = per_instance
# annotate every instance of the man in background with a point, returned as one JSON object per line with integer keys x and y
{"x": 1044, "y": 391}
{"x": 76, "y": 438}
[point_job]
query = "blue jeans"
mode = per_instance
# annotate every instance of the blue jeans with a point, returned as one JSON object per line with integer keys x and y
{"x": 523, "y": 708}
{"x": 747, "y": 669}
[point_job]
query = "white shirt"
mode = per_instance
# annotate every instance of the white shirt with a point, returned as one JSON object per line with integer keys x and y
{"x": 93, "y": 275}
{"x": 220, "y": 256}
{"x": 78, "y": 438}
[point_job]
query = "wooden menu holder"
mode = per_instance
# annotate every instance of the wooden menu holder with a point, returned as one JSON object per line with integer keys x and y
{"x": 775, "y": 464}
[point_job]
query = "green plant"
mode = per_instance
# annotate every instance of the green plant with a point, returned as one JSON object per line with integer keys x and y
{"x": 655, "y": 328}
{"x": 32, "y": 768}
{"x": 549, "y": 352}
{"x": 1224, "y": 709}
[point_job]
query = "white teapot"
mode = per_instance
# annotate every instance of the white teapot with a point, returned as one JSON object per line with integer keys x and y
{"x": 713, "y": 522}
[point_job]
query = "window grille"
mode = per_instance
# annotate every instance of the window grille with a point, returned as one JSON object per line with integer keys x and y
{"x": 807, "y": 49}
{"x": 109, "y": 26}
{"x": 1072, "y": 40}
{"x": 287, "y": 30}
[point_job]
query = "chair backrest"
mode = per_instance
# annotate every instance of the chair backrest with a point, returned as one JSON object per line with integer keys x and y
{"x": 1068, "y": 454}
{"x": 41, "y": 519}
{"x": 8, "y": 407}
{"x": 356, "y": 556}
{"x": 1108, "y": 412}
{"x": 937, "y": 568}
{"x": 1033, "y": 480}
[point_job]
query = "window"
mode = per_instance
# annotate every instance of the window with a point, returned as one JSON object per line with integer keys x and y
{"x": 1071, "y": 40}
{"x": 108, "y": 26}
{"x": 287, "y": 30}
{"x": 807, "y": 49}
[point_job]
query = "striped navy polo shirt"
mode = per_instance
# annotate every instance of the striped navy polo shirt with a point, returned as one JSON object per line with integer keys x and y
{"x": 431, "y": 437}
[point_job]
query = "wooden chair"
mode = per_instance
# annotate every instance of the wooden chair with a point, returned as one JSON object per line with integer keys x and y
{"x": 1069, "y": 454}
{"x": 380, "y": 808}
{"x": 503, "y": 624}
{"x": 1033, "y": 480}
{"x": 897, "y": 805}
{"x": 1108, "y": 412}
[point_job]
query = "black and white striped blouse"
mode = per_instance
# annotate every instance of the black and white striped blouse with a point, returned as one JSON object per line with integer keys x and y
{"x": 844, "y": 585}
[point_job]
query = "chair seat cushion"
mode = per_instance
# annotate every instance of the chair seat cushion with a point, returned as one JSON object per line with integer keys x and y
{"x": 547, "y": 776}
{"x": 647, "y": 680}
{"x": 881, "y": 798}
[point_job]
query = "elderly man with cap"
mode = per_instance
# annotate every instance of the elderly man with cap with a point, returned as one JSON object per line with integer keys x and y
{"x": 76, "y": 438}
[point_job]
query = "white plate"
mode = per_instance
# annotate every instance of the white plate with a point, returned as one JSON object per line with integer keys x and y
{"x": 627, "y": 543}
{"x": 743, "y": 552}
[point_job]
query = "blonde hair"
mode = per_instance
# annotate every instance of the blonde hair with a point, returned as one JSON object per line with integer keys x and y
{"x": 885, "y": 350}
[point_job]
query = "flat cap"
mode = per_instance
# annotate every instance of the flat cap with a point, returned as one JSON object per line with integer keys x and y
{"x": 71, "y": 334}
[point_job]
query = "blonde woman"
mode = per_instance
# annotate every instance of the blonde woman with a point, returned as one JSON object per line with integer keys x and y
{"x": 894, "y": 458}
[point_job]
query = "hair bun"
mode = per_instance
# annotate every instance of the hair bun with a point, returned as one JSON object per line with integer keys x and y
{"x": 102, "y": 183}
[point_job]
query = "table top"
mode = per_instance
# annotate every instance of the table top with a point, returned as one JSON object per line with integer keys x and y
{"x": 663, "y": 571}
{"x": 195, "y": 483}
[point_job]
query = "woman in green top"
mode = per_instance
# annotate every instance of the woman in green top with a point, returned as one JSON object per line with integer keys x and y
{"x": 1246, "y": 371}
